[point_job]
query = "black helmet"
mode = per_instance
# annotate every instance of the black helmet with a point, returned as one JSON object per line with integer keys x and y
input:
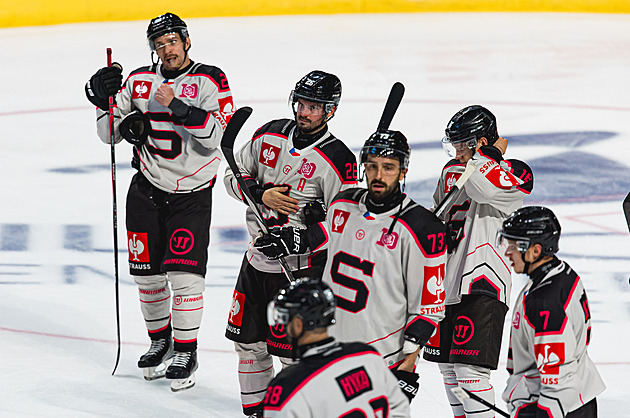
{"x": 320, "y": 87}
{"x": 471, "y": 124}
{"x": 163, "y": 24}
{"x": 307, "y": 298}
{"x": 531, "y": 225}
{"x": 386, "y": 143}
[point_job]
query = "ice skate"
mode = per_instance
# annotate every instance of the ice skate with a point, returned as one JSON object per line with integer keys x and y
{"x": 182, "y": 370}
{"x": 155, "y": 361}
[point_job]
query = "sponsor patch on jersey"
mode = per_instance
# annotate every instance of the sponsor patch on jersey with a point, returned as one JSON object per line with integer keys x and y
{"x": 354, "y": 383}
{"x": 340, "y": 217}
{"x": 189, "y": 90}
{"x": 138, "y": 247}
{"x": 141, "y": 89}
{"x": 236, "y": 311}
{"x": 388, "y": 241}
{"x": 549, "y": 357}
{"x": 450, "y": 180}
{"x": 307, "y": 169}
{"x": 269, "y": 155}
{"x": 433, "y": 289}
{"x": 501, "y": 178}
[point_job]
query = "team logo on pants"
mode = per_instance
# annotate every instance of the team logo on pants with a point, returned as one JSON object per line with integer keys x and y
{"x": 138, "y": 247}
{"x": 182, "y": 241}
{"x": 463, "y": 330}
{"x": 236, "y": 311}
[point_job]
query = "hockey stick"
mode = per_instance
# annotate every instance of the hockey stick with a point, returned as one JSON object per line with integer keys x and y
{"x": 393, "y": 101}
{"x": 626, "y": 209}
{"x": 227, "y": 147}
{"x": 463, "y": 394}
{"x": 455, "y": 190}
{"x": 112, "y": 140}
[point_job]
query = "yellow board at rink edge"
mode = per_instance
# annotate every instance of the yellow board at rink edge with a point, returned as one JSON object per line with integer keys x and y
{"x": 46, "y": 12}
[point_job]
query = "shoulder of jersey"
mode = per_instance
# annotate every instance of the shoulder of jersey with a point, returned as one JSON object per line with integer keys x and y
{"x": 281, "y": 127}
{"x": 336, "y": 151}
{"x": 523, "y": 171}
{"x": 551, "y": 296}
{"x": 354, "y": 194}
{"x": 420, "y": 219}
{"x": 146, "y": 69}
{"x": 453, "y": 162}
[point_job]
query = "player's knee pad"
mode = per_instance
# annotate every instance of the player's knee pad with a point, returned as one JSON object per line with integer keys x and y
{"x": 187, "y": 308}
{"x": 476, "y": 379}
{"x": 287, "y": 361}
{"x": 184, "y": 283}
{"x": 154, "y": 295}
{"x": 450, "y": 381}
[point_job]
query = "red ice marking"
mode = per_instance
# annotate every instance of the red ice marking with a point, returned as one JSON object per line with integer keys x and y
{"x": 99, "y": 340}
{"x": 577, "y": 218}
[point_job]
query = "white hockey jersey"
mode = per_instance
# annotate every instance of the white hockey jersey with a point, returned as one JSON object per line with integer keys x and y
{"x": 492, "y": 192}
{"x": 318, "y": 171}
{"x": 548, "y": 360}
{"x": 332, "y": 380}
{"x": 387, "y": 286}
{"x": 178, "y": 157}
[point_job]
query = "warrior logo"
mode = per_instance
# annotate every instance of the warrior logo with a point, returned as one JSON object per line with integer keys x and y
{"x": 141, "y": 89}
{"x": 549, "y": 357}
{"x": 189, "y": 90}
{"x": 450, "y": 180}
{"x": 236, "y": 311}
{"x": 269, "y": 155}
{"x": 433, "y": 290}
{"x": 138, "y": 243}
{"x": 340, "y": 217}
{"x": 307, "y": 169}
{"x": 278, "y": 331}
{"x": 463, "y": 330}
{"x": 182, "y": 241}
{"x": 388, "y": 240}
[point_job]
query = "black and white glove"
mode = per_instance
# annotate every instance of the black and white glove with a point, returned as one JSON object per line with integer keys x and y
{"x": 135, "y": 128}
{"x": 314, "y": 212}
{"x": 105, "y": 83}
{"x": 408, "y": 383}
{"x": 280, "y": 242}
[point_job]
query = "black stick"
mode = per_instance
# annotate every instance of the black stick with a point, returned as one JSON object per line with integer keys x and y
{"x": 462, "y": 394}
{"x": 393, "y": 101}
{"x": 626, "y": 209}
{"x": 112, "y": 140}
{"x": 227, "y": 147}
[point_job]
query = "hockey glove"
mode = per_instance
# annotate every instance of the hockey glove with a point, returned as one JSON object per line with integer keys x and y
{"x": 105, "y": 83}
{"x": 135, "y": 128}
{"x": 280, "y": 242}
{"x": 314, "y": 212}
{"x": 408, "y": 383}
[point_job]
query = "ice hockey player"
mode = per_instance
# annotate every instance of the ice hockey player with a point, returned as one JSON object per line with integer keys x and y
{"x": 293, "y": 168}
{"x": 386, "y": 260}
{"x": 174, "y": 113}
{"x": 551, "y": 374}
{"x": 332, "y": 379}
{"x": 478, "y": 280}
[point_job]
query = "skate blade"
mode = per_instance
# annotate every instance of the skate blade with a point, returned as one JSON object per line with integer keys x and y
{"x": 157, "y": 372}
{"x": 178, "y": 385}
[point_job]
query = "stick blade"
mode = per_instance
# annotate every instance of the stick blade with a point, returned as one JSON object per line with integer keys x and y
{"x": 235, "y": 124}
{"x": 391, "y": 106}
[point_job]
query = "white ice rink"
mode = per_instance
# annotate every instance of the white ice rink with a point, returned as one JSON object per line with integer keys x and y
{"x": 558, "y": 83}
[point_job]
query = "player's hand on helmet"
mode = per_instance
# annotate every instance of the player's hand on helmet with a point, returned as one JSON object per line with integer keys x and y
{"x": 135, "y": 128}
{"x": 314, "y": 212}
{"x": 278, "y": 199}
{"x": 281, "y": 242}
{"x": 501, "y": 144}
{"x": 105, "y": 83}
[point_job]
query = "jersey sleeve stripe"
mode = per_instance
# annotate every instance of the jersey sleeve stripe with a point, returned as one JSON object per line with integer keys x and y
{"x": 270, "y": 134}
{"x": 315, "y": 374}
{"x": 334, "y": 168}
{"x": 415, "y": 237}
{"x": 387, "y": 336}
{"x": 421, "y": 318}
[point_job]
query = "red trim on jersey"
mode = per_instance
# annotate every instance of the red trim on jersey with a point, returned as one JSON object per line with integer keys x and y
{"x": 205, "y": 123}
{"x": 201, "y": 168}
{"x": 388, "y": 335}
{"x": 413, "y": 234}
{"x": 419, "y": 317}
{"x": 325, "y": 241}
{"x": 343, "y": 201}
{"x": 270, "y": 134}
{"x": 495, "y": 251}
{"x": 209, "y": 77}
{"x": 334, "y": 167}
{"x": 454, "y": 165}
{"x": 566, "y": 317}
{"x": 314, "y": 374}
{"x": 484, "y": 277}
